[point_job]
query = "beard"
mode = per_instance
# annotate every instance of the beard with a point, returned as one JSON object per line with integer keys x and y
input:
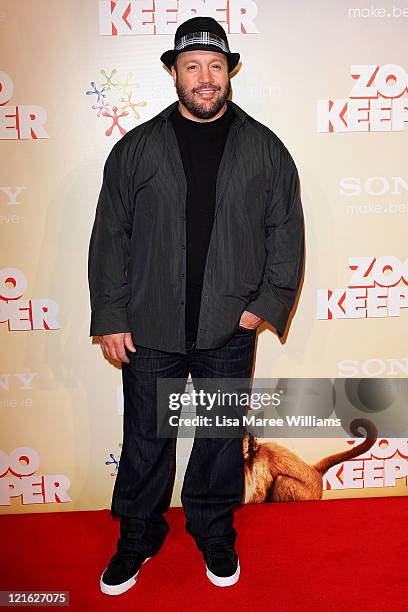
{"x": 207, "y": 109}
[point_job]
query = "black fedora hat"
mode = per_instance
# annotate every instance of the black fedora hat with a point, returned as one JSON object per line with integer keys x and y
{"x": 200, "y": 33}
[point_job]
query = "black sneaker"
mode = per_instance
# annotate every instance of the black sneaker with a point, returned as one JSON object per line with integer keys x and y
{"x": 121, "y": 573}
{"x": 222, "y": 564}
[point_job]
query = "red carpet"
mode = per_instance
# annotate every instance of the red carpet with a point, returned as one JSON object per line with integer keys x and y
{"x": 330, "y": 555}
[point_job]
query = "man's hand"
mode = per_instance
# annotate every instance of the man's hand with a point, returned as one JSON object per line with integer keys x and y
{"x": 113, "y": 346}
{"x": 250, "y": 320}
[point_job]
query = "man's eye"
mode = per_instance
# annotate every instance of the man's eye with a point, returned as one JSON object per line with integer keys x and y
{"x": 216, "y": 66}
{"x": 191, "y": 67}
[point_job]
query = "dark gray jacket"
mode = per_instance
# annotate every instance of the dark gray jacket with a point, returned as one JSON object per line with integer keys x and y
{"x": 137, "y": 252}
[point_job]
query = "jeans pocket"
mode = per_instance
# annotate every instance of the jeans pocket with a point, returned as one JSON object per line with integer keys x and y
{"x": 148, "y": 353}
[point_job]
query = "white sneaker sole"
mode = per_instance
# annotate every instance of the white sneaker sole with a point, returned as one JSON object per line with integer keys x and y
{"x": 118, "y": 589}
{"x": 223, "y": 581}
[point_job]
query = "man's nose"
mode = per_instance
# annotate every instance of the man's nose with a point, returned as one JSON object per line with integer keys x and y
{"x": 205, "y": 75}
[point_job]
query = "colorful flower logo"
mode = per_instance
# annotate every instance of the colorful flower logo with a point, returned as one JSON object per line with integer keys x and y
{"x": 114, "y": 461}
{"x": 115, "y": 100}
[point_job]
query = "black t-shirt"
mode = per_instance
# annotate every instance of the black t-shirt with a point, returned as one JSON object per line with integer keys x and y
{"x": 201, "y": 147}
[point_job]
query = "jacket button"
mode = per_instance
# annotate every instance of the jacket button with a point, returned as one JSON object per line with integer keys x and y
{"x": 183, "y": 247}
{"x": 182, "y": 303}
{"x": 182, "y": 275}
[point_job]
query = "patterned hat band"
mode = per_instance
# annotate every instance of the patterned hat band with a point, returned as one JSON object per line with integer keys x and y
{"x": 200, "y": 33}
{"x": 201, "y": 38}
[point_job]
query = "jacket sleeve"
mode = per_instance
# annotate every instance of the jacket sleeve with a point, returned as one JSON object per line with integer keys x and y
{"x": 109, "y": 251}
{"x": 284, "y": 242}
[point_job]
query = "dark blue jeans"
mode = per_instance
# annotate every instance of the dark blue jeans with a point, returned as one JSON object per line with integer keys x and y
{"x": 214, "y": 478}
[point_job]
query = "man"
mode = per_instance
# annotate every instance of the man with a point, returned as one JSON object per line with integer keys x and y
{"x": 198, "y": 238}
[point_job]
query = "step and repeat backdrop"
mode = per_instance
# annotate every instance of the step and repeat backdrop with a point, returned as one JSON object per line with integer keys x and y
{"x": 330, "y": 79}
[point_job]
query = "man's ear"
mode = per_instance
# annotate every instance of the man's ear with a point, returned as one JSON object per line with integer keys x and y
{"x": 174, "y": 74}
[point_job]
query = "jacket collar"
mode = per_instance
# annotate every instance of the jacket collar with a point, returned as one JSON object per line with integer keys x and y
{"x": 241, "y": 115}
